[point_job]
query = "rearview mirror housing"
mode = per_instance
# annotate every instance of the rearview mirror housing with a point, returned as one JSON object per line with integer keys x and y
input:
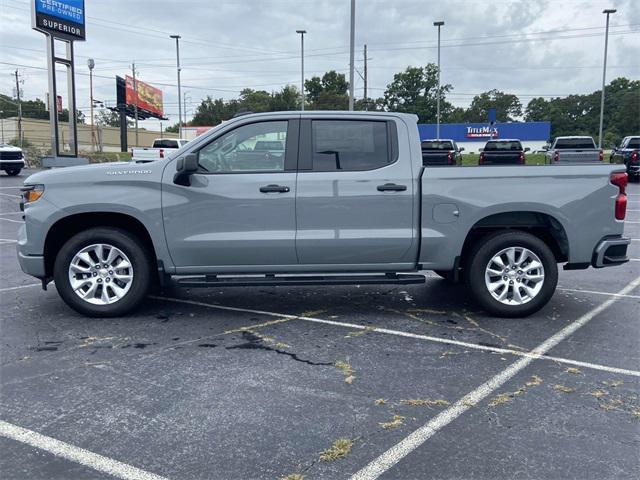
{"x": 185, "y": 167}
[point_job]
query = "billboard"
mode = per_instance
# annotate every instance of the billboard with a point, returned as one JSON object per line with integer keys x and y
{"x": 149, "y": 98}
{"x": 60, "y": 18}
{"x": 476, "y": 132}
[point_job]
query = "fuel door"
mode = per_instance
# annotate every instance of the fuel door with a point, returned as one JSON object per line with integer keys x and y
{"x": 446, "y": 213}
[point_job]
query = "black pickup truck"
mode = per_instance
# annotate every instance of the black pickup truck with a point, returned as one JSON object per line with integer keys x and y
{"x": 441, "y": 152}
{"x": 628, "y": 153}
{"x": 502, "y": 152}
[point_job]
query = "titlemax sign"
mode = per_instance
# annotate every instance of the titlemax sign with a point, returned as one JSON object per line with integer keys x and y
{"x": 476, "y": 132}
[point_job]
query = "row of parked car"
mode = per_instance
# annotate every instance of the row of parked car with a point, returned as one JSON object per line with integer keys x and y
{"x": 575, "y": 149}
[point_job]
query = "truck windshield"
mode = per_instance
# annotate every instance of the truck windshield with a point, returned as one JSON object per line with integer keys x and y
{"x": 437, "y": 145}
{"x": 501, "y": 146}
{"x": 574, "y": 143}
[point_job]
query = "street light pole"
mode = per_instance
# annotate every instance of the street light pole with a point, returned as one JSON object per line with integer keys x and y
{"x": 177, "y": 38}
{"x": 91, "y": 64}
{"x": 608, "y": 12}
{"x": 352, "y": 46}
{"x": 301, "y": 32}
{"x": 438, "y": 24}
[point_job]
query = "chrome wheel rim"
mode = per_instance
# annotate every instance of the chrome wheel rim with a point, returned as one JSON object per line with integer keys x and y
{"x": 100, "y": 274}
{"x": 514, "y": 276}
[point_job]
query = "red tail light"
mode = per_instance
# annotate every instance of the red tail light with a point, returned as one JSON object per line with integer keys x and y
{"x": 556, "y": 157}
{"x": 481, "y": 162}
{"x": 449, "y": 158}
{"x": 634, "y": 157}
{"x": 162, "y": 153}
{"x": 601, "y": 158}
{"x": 620, "y": 180}
{"x": 522, "y": 158}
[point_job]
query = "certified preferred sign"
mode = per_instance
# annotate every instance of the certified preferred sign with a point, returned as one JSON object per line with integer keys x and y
{"x": 59, "y": 18}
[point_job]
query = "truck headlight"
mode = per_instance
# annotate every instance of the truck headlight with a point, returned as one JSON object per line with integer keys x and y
{"x": 31, "y": 193}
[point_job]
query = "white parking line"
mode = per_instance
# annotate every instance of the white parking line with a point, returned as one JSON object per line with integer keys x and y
{"x": 19, "y": 221}
{"x": 20, "y": 287}
{"x": 9, "y": 195}
{"x": 396, "y": 453}
{"x": 627, "y": 221}
{"x": 592, "y": 292}
{"x": 7, "y": 188}
{"x": 12, "y": 213}
{"x": 75, "y": 454}
{"x": 8, "y": 240}
{"x": 400, "y": 333}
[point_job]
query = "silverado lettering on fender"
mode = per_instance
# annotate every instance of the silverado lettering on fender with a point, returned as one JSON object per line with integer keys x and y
{"x": 306, "y": 198}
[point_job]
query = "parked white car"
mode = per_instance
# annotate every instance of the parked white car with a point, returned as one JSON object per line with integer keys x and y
{"x": 11, "y": 159}
{"x": 161, "y": 148}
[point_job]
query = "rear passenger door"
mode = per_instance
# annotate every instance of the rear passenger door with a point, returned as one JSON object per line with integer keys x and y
{"x": 354, "y": 201}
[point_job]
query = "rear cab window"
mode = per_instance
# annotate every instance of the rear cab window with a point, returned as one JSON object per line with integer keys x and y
{"x": 634, "y": 143}
{"x": 351, "y": 145}
{"x": 503, "y": 146}
{"x": 574, "y": 143}
{"x": 437, "y": 145}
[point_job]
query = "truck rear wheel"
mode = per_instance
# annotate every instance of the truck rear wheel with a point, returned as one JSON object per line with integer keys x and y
{"x": 102, "y": 272}
{"x": 512, "y": 274}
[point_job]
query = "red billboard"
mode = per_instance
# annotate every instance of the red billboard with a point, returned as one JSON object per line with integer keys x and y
{"x": 149, "y": 98}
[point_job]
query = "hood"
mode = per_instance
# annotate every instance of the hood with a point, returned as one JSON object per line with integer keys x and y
{"x": 9, "y": 148}
{"x": 95, "y": 172}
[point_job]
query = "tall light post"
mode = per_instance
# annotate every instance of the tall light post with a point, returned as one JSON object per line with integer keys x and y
{"x": 438, "y": 24}
{"x": 177, "y": 37}
{"x": 608, "y": 12}
{"x": 352, "y": 47}
{"x": 301, "y": 32}
{"x": 91, "y": 64}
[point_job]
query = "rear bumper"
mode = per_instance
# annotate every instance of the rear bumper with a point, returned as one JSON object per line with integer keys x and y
{"x": 610, "y": 252}
{"x": 633, "y": 169}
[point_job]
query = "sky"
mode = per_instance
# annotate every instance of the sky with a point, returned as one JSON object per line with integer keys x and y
{"x": 530, "y": 48}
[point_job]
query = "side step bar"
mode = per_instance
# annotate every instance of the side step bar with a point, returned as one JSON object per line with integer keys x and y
{"x": 298, "y": 280}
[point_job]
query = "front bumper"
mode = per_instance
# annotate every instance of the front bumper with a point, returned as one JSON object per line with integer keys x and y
{"x": 32, "y": 264}
{"x": 11, "y": 164}
{"x": 611, "y": 252}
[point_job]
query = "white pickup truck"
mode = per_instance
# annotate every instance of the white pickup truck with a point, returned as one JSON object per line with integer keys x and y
{"x": 161, "y": 148}
{"x": 576, "y": 149}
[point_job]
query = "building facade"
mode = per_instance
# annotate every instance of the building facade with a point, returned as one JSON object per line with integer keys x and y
{"x": 473, "y": 136}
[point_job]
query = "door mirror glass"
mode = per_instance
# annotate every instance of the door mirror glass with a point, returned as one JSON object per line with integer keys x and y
{"x": 527, "y": 149}
{"x": 185, "y": 167}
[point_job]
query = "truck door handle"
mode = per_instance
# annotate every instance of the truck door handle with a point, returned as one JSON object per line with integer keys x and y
{"x": 391, "y": 187}
{"x": 274, "y": 189}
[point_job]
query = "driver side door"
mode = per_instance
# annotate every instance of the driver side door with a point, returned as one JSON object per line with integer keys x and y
{"x": 238, "y": 214}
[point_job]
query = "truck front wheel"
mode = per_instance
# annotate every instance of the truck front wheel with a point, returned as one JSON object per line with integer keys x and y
{"x": 102, "y": 272}
{"x": 512, "y": 274}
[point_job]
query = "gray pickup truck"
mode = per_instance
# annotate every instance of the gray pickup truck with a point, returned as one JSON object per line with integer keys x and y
{"x": 350, "y": 203}
{"x": 577, "y": 149}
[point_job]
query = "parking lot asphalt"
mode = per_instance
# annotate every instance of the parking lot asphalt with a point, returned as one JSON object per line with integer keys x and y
{"x": 407, "y": 382}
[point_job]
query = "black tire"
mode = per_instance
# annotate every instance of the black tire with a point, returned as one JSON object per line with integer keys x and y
{"x": 130, "y": 245}
{"x": 490, "y": 246}
{"x": 13, "y": 172}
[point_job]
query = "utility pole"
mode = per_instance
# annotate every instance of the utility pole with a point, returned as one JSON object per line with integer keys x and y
{"x": 440, "y": 24}
{"x": 352, "y": 42}
{"x": 91, "y": 63}
{"x": 135, "y": 99}
{"x": 301, "y": 32}
{"x": 177, "y": 38}
{"x": 184, "y": 104}
{"x": 604, "y": 73}
{"x": 19, "y": 109}
{"x": 366, "y": 98}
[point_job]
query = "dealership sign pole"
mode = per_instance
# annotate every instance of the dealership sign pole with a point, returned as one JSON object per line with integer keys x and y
{"x": 62, "y": 22}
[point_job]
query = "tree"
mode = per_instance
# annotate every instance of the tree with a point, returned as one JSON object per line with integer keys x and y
{"x": 416, "y": 91}
{"x": 286, "y": 99}
{"x": 508, "y": 107}
{"x": 109, "y": 118}
{"x": 328, "y": 92}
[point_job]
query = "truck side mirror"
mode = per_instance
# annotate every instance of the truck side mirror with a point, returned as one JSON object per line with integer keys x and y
{"x": 527, "y": 149}
{"x": 461, "y": 149}
{"x": 545, "y": 147}
{"x": 185, "y": 167}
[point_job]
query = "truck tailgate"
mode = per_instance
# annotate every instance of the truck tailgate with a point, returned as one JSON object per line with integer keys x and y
{"x": 579, "y": 156}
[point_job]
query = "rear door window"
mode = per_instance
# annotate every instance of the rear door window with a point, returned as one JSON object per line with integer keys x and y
{"x": 349, "y": 145}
